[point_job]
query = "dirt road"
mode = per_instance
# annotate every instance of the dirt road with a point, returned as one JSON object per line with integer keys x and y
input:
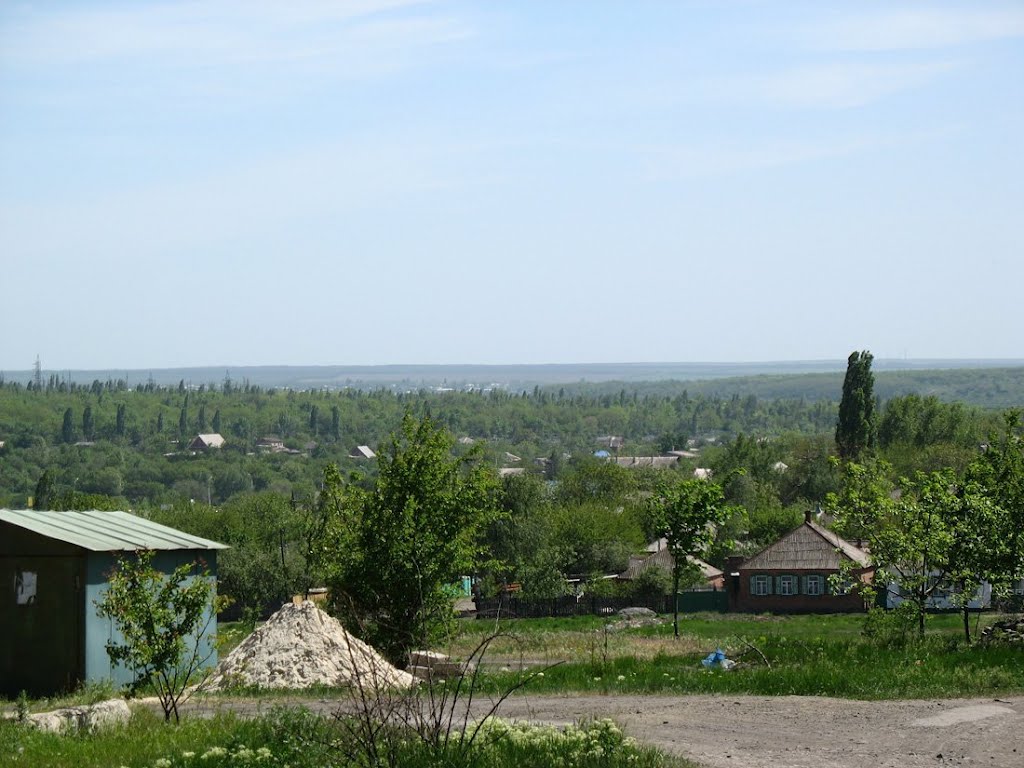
{"x": 777, "y": 732}
{"x": 805, "y": 732}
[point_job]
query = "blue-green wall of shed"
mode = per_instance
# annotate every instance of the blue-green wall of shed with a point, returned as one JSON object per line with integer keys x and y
{"x": 99, "y": 631}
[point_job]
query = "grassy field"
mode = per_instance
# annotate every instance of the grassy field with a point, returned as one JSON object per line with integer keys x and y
{"x": 778, "y": 655}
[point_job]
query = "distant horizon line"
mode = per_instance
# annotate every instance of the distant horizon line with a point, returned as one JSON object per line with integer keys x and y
{"x": 916, "y": 361}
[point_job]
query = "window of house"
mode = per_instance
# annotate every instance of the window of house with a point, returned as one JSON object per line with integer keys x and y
{"x": 787, "y": 585}
{"x": 815, "y": 585}
{"x": 760, "y": 585}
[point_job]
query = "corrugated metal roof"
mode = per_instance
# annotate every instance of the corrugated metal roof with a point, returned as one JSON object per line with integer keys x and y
{"x": 105, "y": 531}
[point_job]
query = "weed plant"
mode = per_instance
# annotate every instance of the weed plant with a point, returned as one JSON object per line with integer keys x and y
{"x": 300, "y": 739}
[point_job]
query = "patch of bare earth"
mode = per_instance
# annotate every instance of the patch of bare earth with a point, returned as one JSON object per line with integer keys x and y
{"x": 764, "y": 731}
{"x": 804, "y": 732}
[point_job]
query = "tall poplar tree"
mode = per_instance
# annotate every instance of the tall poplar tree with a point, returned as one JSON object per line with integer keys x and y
{"x": 67, "y": 431}
{"x": 88, "y": 423}
{"x": 855, "y": 428}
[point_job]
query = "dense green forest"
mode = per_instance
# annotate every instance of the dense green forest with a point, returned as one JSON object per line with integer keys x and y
{"x": 112, "y": 440}
{"x": 108, "y": 445}
{"x": 982, "y": 387}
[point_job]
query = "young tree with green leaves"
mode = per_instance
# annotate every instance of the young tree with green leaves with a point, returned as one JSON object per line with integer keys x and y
{"x": 982, "y": 547}
{"x": 687, "y": 514}
{"x": 1000, "y": 471}
{"x": 393, "y": 554}
{"x": 907, "y": 527}
{"x": 162, "y": 619}
{"x": 855, "y": 427}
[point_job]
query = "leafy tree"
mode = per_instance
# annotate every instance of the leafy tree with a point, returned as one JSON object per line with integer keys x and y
{"x": 594, "y": 538}
{"x": 86, "y": 501}
{"x": 67, "y": 431}
{"x": 201, "y": 418}
{"x": 982, "y": 547}
{"x": 999, "y": 471}
{"x": 688, "y": 514}
{"x": 160, "y": 422}
{"x": 44, "y": 491}
{"x": 595, "y": 480}
{"x": 409, "y": 539}
{"x": 162, "y": 619}
{"x": 88, "y": 425}
{"x": 122, "y": 412}
{"x": 908, "y": 528}
{"x": 855, "y": 428}
{"x": 215, "y": 422}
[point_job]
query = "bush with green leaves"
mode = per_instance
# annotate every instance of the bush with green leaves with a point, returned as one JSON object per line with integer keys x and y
{"x": 162, "y": 619}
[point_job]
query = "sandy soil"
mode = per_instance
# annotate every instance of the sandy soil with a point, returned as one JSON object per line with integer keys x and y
{"x": 776, "y": 732}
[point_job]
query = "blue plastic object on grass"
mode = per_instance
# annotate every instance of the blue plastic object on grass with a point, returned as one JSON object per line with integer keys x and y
{"x": 714, "y": 659}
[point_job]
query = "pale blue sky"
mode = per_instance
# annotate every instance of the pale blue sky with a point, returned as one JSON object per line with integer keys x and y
{"x": 379, "y": 181}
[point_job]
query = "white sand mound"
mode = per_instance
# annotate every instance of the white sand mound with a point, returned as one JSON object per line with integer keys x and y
{"x": 301, "y": 646}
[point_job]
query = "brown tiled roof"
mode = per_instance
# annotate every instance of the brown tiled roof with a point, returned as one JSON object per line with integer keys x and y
{"x": 809, "y": 546}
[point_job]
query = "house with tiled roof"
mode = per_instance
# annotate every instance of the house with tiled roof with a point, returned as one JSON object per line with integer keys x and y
{"x": 794, "y": 575}
{"x": 660, "y": 557}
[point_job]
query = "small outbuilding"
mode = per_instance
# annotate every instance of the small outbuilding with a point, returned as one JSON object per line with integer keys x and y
{"x": 54, "y": 566}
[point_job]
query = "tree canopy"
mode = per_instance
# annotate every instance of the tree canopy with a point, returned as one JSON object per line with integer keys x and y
{"x": 855, "y": 427}
{"x": 393, "y": 554}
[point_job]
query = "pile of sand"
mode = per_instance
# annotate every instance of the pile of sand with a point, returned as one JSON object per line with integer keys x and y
{"x": 301, "y": 646}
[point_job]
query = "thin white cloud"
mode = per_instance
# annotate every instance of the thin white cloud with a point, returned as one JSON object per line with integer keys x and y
{"x": 220, "y": 33}
{"x": 838, "y": 85}
{"x": 922, "y": 27}
{"x": 668, "y": 162}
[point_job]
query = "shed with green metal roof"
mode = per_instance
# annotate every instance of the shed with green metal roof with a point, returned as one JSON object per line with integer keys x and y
{"x": 54, "y": 567}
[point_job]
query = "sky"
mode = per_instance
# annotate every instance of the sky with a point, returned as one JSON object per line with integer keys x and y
{"x": 249, "y": 182}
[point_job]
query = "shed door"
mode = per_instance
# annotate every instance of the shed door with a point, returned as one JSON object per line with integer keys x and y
{"x": 41, "y": 612}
